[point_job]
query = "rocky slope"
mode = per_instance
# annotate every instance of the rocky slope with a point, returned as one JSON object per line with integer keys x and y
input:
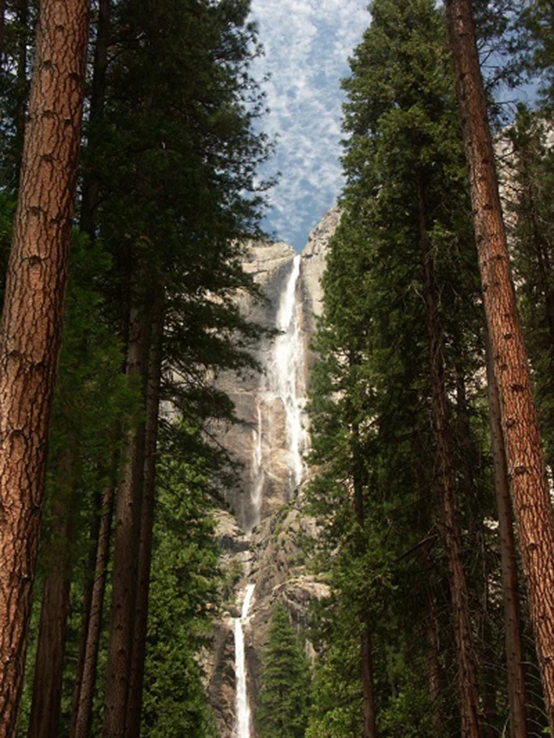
{"x": 261, "y": 536}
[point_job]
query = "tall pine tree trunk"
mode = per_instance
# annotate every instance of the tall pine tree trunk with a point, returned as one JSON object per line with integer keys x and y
{"x": 31, "y": 327}
{"x": 433, "y": 665}
{"x": 520, "y": 427}
{"x": 370, "y": 723}
{"x": 56, "y": 553}
{"x": 467, "y": 673}
{"x": 92, "y": 620}
{"x": 21, "y": 90}
{"x": 508, "y": 558}
{"x": 126, "y": 547}
{"x": 154, "y": 374}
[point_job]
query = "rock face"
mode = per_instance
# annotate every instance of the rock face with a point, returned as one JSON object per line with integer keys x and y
{"x": 261, "y": 538}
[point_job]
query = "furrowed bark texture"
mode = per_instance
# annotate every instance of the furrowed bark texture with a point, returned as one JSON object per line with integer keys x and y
{"x": 508, "y": 559}
{"x": 32, "y": 320}
{"x": 56, "y": 554}
{"x": 518, "y": 413}
{"x": 465, "y": 653}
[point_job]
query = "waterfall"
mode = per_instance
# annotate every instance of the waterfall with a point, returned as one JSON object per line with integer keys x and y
{"x": 284, "y": 381}
{"x": 242, "y": 705}
{"x": 258, "y": 473}
{"x": 288, "y": 371}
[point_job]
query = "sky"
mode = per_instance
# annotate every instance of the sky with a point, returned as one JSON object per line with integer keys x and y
{"x": 307, "y": 44}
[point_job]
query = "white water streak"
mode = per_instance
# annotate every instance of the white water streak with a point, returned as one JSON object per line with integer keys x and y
{"x": 242, "y": 704}
{"x": 258, "y": 473}
{"x": 288, "y": 370}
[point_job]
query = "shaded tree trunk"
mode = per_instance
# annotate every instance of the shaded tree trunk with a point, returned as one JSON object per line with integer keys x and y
{"x": 508, "y": 557}
{"x": 467, "y": 672}
{"x": 126, "y": 548}
{"x": 520, "y": 427}
{"x": 31, "y": 328}
{"x": 154, "y": 371}
{"x": 92, "y": 621}
{"x": 370, "y": 725}
{"x": 47, "y": 687}
{"x": 433, "y": 666}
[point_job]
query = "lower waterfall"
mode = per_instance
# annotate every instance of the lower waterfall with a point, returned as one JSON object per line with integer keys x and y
{"x": 242, "y": 704}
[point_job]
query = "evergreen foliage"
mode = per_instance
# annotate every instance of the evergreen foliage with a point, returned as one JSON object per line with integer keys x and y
{"x": 377, "y": 492}
{"x": 184, "y": 597}
{"x": 285, "y": 692}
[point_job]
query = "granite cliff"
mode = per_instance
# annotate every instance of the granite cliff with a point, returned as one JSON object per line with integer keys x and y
{"x": 260, "y": 533}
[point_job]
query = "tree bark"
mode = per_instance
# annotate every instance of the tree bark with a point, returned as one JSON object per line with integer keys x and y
{"x": 154, "y": 373}
{"x": 88, "y": 658}
{"x": 370, "y": 724}
{"x": 508, "y": 558}
{"x": 520, "y": 427}
{"x": 433, "y": 666}
{"x": 56, "y": 553}
{"x": 22, "y": 15}
{"x": 126, "y": 548}
{"x": 30, "y": 333}
{"x": 467, "y": 672}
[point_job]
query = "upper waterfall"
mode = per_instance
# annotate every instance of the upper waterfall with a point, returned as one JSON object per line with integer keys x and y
{"x": 287, "y": 370}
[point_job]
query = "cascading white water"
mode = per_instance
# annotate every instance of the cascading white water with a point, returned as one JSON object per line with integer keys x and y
{"x": 288, "y": 370}
{"x": 285, "y": 381}
{"x": 258, "y": 472}
{"x": 242, "y": 704}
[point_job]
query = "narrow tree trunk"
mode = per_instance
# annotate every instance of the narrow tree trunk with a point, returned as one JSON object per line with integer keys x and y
{"x": 433, "y": 667}
{"x": 88, "y": 658}
{"x": 32, "y": 320}
{"x": 91, "y": 186}
{"x": 518, "y": 413}
{"x": 467, "y": 673}
{"x": 126, "y": 548}
{"x": 370, "y": 725}
{"x": 508, "y": 558}
{"x": 134, "y": 706}
{"x": 22, "y": 16}
{"x": 56, "y": 553}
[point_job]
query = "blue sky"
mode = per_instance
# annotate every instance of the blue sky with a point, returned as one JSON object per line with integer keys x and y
{"x": 307, "y": 44}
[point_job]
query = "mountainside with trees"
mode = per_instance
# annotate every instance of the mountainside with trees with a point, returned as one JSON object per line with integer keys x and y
{"x": 401, "y": 559}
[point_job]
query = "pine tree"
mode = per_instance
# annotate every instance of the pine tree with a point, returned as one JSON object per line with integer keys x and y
{"x": 285, "y": 691}
{"x": 519, "y": 417}
{"x": 32, "y": 320}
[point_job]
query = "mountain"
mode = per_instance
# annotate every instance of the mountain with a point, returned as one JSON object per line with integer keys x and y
{"x": 261, "y": 531}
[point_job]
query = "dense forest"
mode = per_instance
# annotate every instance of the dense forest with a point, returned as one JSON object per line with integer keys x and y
{"x": 130, "y": 196}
